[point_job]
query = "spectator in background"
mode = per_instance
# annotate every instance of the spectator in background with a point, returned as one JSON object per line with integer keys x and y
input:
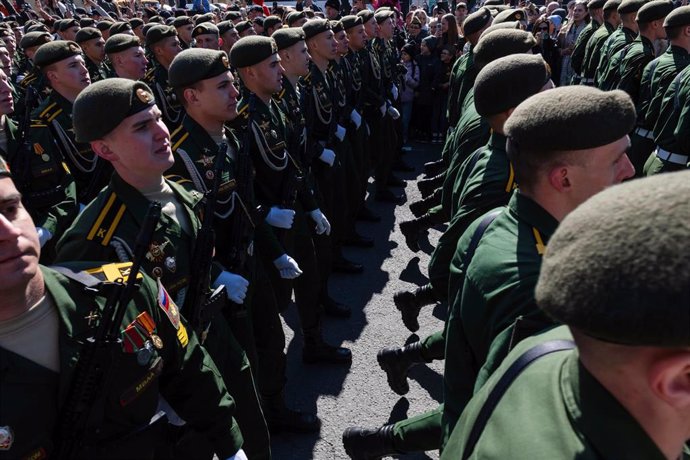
{"x": 568, "y": 36}
{"x": 449, "y": 33}
{"x": 460, "y": 13}
{"x": 544, "y": 32}
{"x": 439, "y": 122}
{"x": 429, "y": 65}
{"x": 410, "y": 84}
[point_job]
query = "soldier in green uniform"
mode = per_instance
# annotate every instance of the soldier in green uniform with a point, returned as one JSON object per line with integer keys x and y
{"x": 51, "y": 131}
{"x": 184, "y": 26}
{"x": 650, "y": 20}
{"x": 164, "y": 45}
{"x": 91, "y": 42}
{"x": 126, "y": 56}
{"x": 132, "y": 137}
{"x": 612, "y": 20}
{"x": 595, "y": 8}
{"x": 609, "y": 59}
{"x": 656, "y": 78}
{"x": 206, "y": 35}
{"x": 491, "y": 175}
{"x": 45, "y": 317}
{"x": 588, "y": 389}
{"x": 494, "y": 270}
{"x": 32, "y": 77}
{"x": 228, "y": 35}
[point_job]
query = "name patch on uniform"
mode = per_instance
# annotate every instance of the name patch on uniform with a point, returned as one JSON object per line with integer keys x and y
{"x": 138, "y": 388}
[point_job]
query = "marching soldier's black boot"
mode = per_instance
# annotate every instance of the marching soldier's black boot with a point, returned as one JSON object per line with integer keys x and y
{"x": 335, "y": 309}
{"x": 410, "y": 303}
{"x": 412, "y": 228}
{"x": 434, "y": 168}
{"x": 395, "y": 362}
{"x": 428, "y": 186}
{"x": 421, "y": 207}
{"x": 281, "y": 418}
{"x": 316, "y": 350}
{"x": 367, "y": 215}
{"x": 369, "y": 443}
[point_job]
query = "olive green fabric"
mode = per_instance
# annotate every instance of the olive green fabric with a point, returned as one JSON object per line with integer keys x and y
{"x": 251, "y": 50}
{"x": 32, "y": 39}
{"x": 194, "y": 65}
{"x": 287, "y": 37}
{"x": 205, "y": 28}
{"x": 654, "y": 11}
{"x": 609, "y": 58}
{"x": 638, "y": 54}
{"x": 476, "y": 21}
{"x": 87, "y": 33}
{"x": 120, "y": 42}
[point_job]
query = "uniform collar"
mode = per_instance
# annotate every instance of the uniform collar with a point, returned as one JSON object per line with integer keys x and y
{"x": 530, "y": 212}
{"x": 497, "y": 141}
{"x": 606, "y": 424}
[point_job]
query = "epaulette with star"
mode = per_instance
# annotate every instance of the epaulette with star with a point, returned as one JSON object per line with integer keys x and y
{"x": 49, "y": 113}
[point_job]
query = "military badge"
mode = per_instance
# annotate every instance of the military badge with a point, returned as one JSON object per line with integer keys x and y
{"x": 168, "y": 306}
{"x": 144, "y": 96}
{"x": 156, "y": 252}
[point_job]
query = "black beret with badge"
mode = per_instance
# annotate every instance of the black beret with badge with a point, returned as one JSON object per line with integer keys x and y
{"x": 104, "y": 25}
{"x": 86, "y": 34}
{"x": 571, "y": 118}
{"x": 34, "y": 39}
{"x": 121, "y": 42}
{"x": 502, "y": 42}
{"x": 618, "y": 268}
{"x": 336, "y": 26}
{"x": 136, "y": 22}
{"x": 123, "y": 98}
{"x": 120, "y": 28}
{"x": 654, "y": 11}
{"x": 295, "y": 16}
{"x": 476, "y": 21}
{"x": 243, "y": 26}
{"x": 205, "y": 28}
{"x": 285, "y": 38}
{"x": 679, "y": 17}
{"x": 208, "y": 17}
{"x": 224, "y": 26}
{"x": 181, "y": 21}
{"x": 314, "y": 27}
{"x": 196, "y": 64}
{"x": 351, "y": 21}
{"x": 251, "y": 50}
{"x": 55, "y": 51}
{"x": 158, "y": 33}
{"x": 507, "y": 81}
{"x": 382, "y": 14}
{"x": 510, "y": 14}
{"x": 67, "y": 23}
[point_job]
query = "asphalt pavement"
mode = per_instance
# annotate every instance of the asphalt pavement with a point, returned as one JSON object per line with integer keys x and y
{"x": 360, "y": 395}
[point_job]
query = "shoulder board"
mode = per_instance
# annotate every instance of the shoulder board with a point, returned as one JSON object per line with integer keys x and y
{"x": 113, "y": 272}
{"x": 49, "y": 113}
{"x": 307, "y": 77}
{"x": 28, "y": 79}
{"x": 38, "y": 124}
{"x": 150, "y": 75}
{"x": 178, "y": 179}
{"x": 107, "y": 221}
{"x": 280, "y": 95}
{"x": 243, "y": 111}
{"x": 177, "y": 137}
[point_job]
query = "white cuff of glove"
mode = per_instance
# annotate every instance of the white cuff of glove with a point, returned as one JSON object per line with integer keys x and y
{"x": 328, "y": 157}
{"x": 394, "y": 91}
{"x": 393, "y": 112}
{"x": 382, "y": 109}
{"x": 235, "y": 286}
{"x": 356, "y": 118}
{"x": 340, "y": 132}
{"x": 287, "y": 266}
{"x": 43, "y": 235}
{"x": 240, "y": 455}
{"x": 281, "y": 218}
{"x": 322, "y": 224}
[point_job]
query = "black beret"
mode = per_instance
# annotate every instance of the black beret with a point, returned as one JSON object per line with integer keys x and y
{"x": 55, "y": 51}
{"x": 596, "y": 4}
{"x": 382, "y": 14}
{"x": 336, "y": 26}
{"x": 147, "y": 27}
{"x": 366, "y": 15}
{"x": 509, "y": 15}
{"x": 196, "y": 64}
{"x": 571, "y": 118}
{"x": 182, "y": 21}
{"x": 205, "y": 28}
{"x": 208, "y": 17}
{"x": 123, "y": 98}
{"x": 67, "y": 23}
{"x": 502, "y": 25}
{"x": 37, "y": 27}
{"x": 156, "y": 20}
{"x": 121, "y": 42}
{"x": 104, "y": 25}
{"x": 232, "y": 15}
{"x": 272, "y": 21}
{"x": 678, "y": 17}
{"x": 335, "y": 4}
{"x": 251, "y": 50}
{"x": 285, "y": 38}
{"x": 158, "y": 32}
{"x": 350, "y": 21}
{"x": 630, "y": 6}
{"x": 136, "y": 22}
{"x": 502, "y": 42}
{"x": 617, "y": 267}
{"x": 259, "y": 20}
{"x": 654, "y": 10}
{"x": 86, "y": 22}
{"x": 612, "y": 5}
{"x": 495, "y": 9}
{"x": 86, "y": 34}
{"x": 504, "y": 83}
{"x": 120, "y": 28}
{"x": 295, "y": 16}
{"x": 494, "y": 3}
{"x": 314, "y": 27}
{"x": 224, "y": 26}
{"x": 243, "y": 26}
{"x": 476, "y": 21}
{"x": 34, "y": 39}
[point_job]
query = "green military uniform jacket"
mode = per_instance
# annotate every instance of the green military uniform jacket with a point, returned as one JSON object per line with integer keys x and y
{"x": 554, "y": 409}
{"x": 462, "y": 77}
{"x": 31, "y": 395}
{"x": 97, "y": 72}
{"x": 320, "y": 114}
{"x": 52, "y": 133}
{"x": 609, "y": 59}
{"x": 637, "y": 55}
{"x": 488, "y": 292}
{"x": 166, "y": 99}
{"x": 356, "y": 78}
{"x": 593, "y": 53}
{"x": 484, "y": 181}
{"x": 672, "y": 125}
{"x": 577, "y": 58}
{"x": 373, "y": 83}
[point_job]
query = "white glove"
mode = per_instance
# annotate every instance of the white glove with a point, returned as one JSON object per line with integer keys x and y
{"x": 328, "y": 157}
{"x": 322, "y": 224}
{"x": 281, "y": 218}
{"x": 240, "y": 455}
{"x": 340, "y": 132}
{"x": 235, "y": 286}
{"x": 43, "y": 235}
{"x": 393, "y": 112}
{"x": 356, "y": 118}
{"x": 382, "y": 109}
{"x": 394, "y": 91}
{"x": 287, "y": 266}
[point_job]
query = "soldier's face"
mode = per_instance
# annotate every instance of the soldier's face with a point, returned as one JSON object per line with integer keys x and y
{"x": 6, "y": 101}
{"x": 324, "y": 45}
{"x": 71, "y": 33}
{"x": 230, "y": 38}
{"x": 342, "y": 41}
{"x": 371, "y": 28}
{"x": 5, "y": 58}
{"x": 267, "y": 76}
{"x": 71, "y": 74}
{"x": 217, "y": 97}
{"x": 357, "y": 37}
{"x": 168, "y": 48}
{"x": 94, "y": 49}
{"x": 131, "y": 63}
{"x": 185, "y": 33}
{"x": 207, "y": 41}
{"x": 10, "y": 43}
{"x": 19, "y": 246}
{"x": 386, "y": 29}
{"x": 296, "y": 59}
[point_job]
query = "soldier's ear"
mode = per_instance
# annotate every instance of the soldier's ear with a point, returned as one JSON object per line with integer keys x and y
{"x": 101, "y": 148}
{"x": 191, "y": 96}
{"x": 669, "y": 379}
